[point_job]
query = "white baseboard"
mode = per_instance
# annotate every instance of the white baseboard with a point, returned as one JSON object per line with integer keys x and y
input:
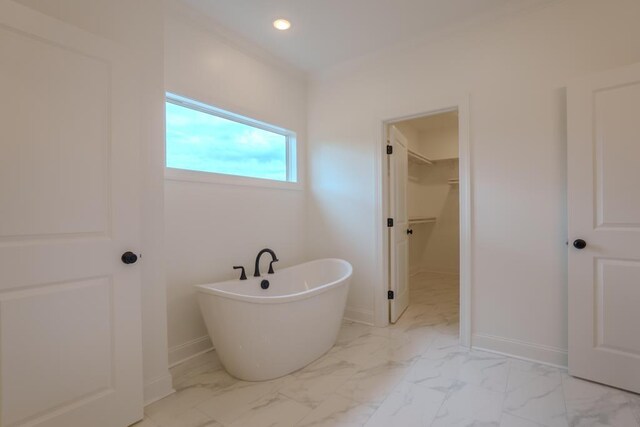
{"x": 193, "y": 362}
{"x": 521, "y": 350}
{"x": 157, "y": 389}
{"x": 359, "y": 315}
{"x": 183, "y": 352}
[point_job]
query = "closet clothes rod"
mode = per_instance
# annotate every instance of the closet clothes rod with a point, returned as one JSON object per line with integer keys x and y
{"x": 422, "y": 220}
{"x": 418, "y": 158}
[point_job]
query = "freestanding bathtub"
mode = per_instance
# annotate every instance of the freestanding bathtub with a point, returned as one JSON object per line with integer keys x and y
{"x": 261, "y": 334}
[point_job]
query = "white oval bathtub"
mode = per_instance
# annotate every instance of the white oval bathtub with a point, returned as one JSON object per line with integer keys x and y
{"x": 261, "y": 334}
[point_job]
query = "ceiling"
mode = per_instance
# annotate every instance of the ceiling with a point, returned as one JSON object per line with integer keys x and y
{"x": 327, "y": 32}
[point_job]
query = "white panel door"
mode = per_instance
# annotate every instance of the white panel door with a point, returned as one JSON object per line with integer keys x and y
{"x": 70, "y": 340}
{"x": 604, "y": 220}
{"x": 399, "y": 253}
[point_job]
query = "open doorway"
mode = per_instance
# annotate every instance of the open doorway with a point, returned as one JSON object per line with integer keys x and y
{"x": 426, "y": 191}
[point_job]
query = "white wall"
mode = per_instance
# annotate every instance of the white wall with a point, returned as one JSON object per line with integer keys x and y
{"x": 139, "y": 25}
{"x": 211, "y": 227}
{"x": 515, "y": 73}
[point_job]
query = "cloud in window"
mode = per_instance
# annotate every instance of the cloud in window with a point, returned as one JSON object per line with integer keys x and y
{"x": 203, "y": 142}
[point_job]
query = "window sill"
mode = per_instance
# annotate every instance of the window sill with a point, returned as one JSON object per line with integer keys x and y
{"x": 184, "y": 175}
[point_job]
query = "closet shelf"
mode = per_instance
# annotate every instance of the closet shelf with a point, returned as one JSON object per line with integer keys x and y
{"x": 454, "y": 181}
{"x": 422, "y": 220}
{"x": 418, "y": 158}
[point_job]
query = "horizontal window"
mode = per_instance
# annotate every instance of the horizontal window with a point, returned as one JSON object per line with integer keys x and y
{"x": 204, "y": 139}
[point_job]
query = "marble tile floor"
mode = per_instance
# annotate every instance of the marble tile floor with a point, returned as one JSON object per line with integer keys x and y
{"x": 412, "y": 373}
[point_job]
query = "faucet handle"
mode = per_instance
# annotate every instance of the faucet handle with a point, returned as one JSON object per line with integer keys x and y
{"x": 271, "y": 265}
{"x": 243, "y": 276}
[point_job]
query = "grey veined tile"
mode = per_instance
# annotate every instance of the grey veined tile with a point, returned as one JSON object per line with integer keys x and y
{"x": 351, "y": 331}
{"x": 444, "y": 367}
{"x": 590, "y": 404}
{"x": 534, "y": 392}
{"x": 192, "y": 418}
{"x": 237, "y": 400}
{"x": 339, "y": 411}
{"x": 435, "y": 375}
{"x": 146, "y": 422}
{"x": 485, "y": 370}
{"x": 214, "y": 379}
{"x": 172, "y": 407}
{"x": 470, "y": 406}
{"x": 409, "y": 405}
{"x": 274, "y": 410}
{"x": 443, "y": 345}
{"x": 400, "y": 348}
{"x": 359, "y": 350}
{"x": 316, "y": 382}
{"x": 634, "y": 399}
{"x": 509, "y": 420}
{"x": 373, "y": 384}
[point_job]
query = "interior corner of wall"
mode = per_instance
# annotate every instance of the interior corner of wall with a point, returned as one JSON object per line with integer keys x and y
{"x": 539, "y": 353}
{"x": 359, "y": 315}
{"x": 181, "y": 353}
{"x": 158, "y": 388}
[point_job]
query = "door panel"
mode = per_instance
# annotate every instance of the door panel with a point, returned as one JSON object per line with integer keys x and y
{"x": 55, "y": 130}
{"x": 70, "y": 340}
{"x": 398, "y": 168}
{"x": 617, "y": 154}
{"x": 67, "y": 326}
{"x": 617, "y": 295}
{"x": 604, "y": 210}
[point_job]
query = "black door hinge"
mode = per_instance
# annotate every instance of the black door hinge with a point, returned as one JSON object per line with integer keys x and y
{"x": 389, "y": 222}
{"x": 390, "y": 295}
{"x": 389, "y": 149}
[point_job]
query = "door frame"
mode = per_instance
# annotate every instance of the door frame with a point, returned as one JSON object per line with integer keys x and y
{"x": 381, "y": 304}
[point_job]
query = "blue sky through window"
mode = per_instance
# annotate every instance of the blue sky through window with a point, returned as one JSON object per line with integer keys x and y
{"x": 203, "y": 142}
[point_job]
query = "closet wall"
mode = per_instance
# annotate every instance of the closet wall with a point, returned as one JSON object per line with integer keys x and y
{"x": 434, "y": 246}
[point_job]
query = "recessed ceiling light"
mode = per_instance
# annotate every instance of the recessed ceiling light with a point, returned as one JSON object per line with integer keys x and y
{"x": 282, "y": 24}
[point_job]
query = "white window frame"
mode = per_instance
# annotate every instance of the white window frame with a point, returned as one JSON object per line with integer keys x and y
{"x": 293, "y": 181}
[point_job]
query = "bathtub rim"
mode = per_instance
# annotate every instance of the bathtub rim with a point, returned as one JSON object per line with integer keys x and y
{"x": 209, "y": 289}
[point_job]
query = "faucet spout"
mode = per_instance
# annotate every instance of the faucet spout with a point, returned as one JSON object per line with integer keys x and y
{"x": 274, "y": 258}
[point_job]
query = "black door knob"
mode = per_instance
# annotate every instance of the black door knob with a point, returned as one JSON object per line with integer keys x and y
{"x": 409, "y": 231}
{"x": 579, "y": 244}
{"x": 129, "y": 258}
